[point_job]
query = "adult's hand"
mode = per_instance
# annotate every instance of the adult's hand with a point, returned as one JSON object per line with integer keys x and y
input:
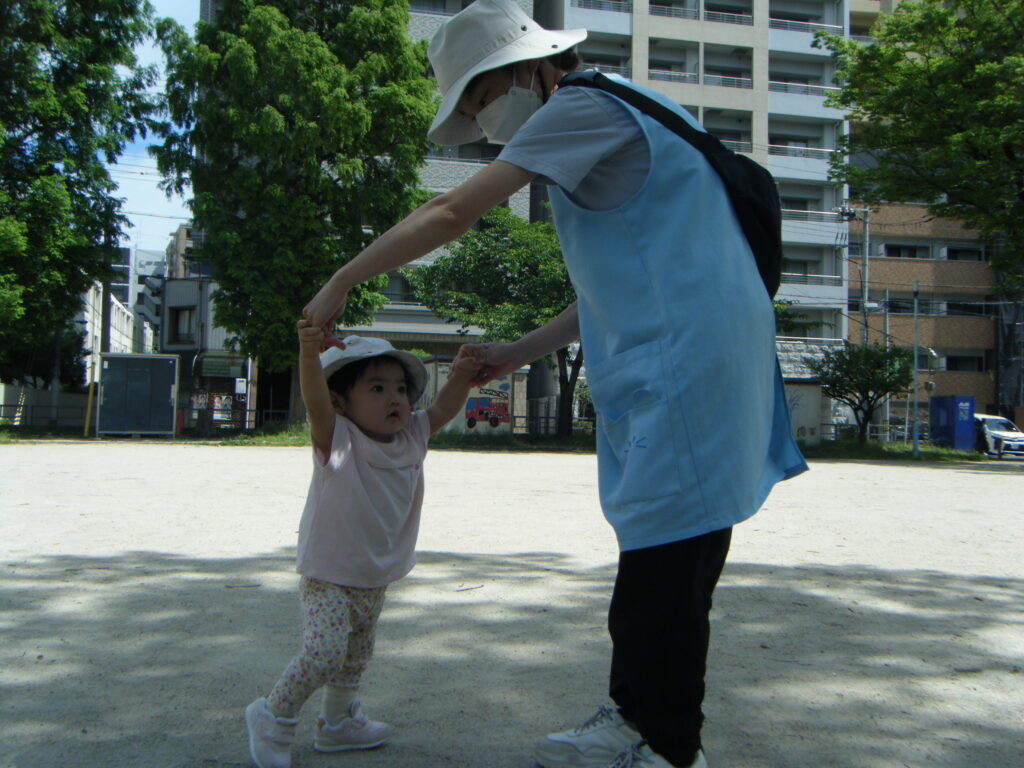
{"x": 496, "y": 359}
{"x": 325, "y": 308}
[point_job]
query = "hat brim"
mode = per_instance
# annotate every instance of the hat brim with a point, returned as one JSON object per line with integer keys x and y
{"x": 451, "y": 128}
{"x": 412, "y": 364}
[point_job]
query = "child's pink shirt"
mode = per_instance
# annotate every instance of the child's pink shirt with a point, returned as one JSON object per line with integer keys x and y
{"x": 362, "y": 513}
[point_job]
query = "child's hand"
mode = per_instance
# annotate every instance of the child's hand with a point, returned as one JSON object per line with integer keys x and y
{"x": 311, "y": 337}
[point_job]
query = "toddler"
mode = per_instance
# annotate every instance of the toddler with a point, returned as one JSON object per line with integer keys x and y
{"x": 358, "y": 529}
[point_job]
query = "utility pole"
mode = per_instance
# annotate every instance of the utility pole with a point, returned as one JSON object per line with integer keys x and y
{"x": 917, "y": 450}
{"x": 885, "y": 340}
{"x": 848, "y": 214}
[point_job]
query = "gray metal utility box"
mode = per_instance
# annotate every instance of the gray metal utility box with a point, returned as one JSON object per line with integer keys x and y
{"x": 138, "y": 394}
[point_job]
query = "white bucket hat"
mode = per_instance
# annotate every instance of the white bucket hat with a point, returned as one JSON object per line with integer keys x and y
{"x": 362, "y": 347}
{"x": 483, "y": 36}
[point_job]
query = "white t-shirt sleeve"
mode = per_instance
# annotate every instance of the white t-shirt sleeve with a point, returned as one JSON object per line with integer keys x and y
{"x": 574, "y": 131}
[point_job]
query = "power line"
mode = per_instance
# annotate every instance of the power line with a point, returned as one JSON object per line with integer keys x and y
{"x": 157, "y": 216}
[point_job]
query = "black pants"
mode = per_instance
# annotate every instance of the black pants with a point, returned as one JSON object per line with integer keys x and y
{"x": 659, "y": 625}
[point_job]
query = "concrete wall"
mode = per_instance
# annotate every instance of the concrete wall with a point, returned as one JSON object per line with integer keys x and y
{"x": 25, "y": 406}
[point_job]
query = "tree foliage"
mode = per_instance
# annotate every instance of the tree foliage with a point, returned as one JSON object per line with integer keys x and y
{"x": 508, "y": 278}
{"x": 938, "y": 101}
{"x": 787, "y": 319}
{"x": 863, "y": 377}
{"x": 301, "y": 127}
{"x": 73, "y": 96}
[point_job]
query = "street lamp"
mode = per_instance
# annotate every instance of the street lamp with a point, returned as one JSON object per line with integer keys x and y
{"x": 848, "y": 214}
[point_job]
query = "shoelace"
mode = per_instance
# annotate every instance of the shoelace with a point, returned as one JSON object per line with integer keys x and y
{"x": 604, "y": 713}
{"x": 630, "y": 757}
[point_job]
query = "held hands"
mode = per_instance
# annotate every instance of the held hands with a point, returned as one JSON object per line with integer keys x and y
{"x": 311, "y": 338}
{"x": 326, "y": 307}
{"x": 492, "y": 360}
{"x": 466, "y": 367}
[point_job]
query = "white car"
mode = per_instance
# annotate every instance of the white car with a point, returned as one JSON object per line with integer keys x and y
{"x": 1001, "y": 435}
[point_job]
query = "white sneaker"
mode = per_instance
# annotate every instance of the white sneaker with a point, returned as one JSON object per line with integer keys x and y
{"x": 593, "y": 744}
{"x": 355, "y": 731}
{"x": 270, "y": 738}
{"x": 640, "y": 755}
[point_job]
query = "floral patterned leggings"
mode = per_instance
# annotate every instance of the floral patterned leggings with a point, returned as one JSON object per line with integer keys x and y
{"x": 338, "y": 628}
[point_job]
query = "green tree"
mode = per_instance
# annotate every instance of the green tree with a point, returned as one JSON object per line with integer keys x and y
{"x": 937, "y": 102}
{"x": 863, "y": 377}
{"x": 301, "y": 127}
{"x": 508, "y": 278}
{"x": 787, "y": 319}
{"x": 73, "y": 96}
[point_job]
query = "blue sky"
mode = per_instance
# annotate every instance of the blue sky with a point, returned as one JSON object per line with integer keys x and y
{"x": 151, "y": 213}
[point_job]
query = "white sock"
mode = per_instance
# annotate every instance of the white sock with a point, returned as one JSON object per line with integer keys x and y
{"x": 337, "y": 701}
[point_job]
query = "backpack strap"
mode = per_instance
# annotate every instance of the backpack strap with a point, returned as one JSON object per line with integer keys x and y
{"x": 704, "y": 142}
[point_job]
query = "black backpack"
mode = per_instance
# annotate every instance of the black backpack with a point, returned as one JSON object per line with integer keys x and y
{"x": 751, "y": 188}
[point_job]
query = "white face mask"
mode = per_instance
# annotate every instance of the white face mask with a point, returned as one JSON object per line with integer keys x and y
{"x": 500, "y": 119}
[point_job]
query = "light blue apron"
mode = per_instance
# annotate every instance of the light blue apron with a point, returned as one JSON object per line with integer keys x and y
{"x": 678, "y": 340}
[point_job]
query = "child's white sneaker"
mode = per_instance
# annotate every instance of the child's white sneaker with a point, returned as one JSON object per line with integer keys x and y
{"x": 595, "y": 743}
{"x": 270, "y": 738}
{"x": 355, "y": 731}
{"x": 640, "y": 755}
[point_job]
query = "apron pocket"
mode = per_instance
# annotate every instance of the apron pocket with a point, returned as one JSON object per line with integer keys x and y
{"x": 637, "y": 458}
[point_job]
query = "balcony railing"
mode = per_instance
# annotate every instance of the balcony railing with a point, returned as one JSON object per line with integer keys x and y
{"x": 626, "y": 72}
{"x": 802, "y": 89}
{"x": 467, "y": 160}
{"x": 729, "y": 18}
{"x": 813, "y": 153}
{"x": 673, "y": 76}
{"x": 796, "y": 279}
{"x": 863, "y": 39}
{"x": 828, "y": 217}
{"x": 729, "y": 82}
{"x": 674, "y": 11}
{"x": 603, "y": 5}
{"x": 738, "y": 146}
{"x": 804, "y": 26}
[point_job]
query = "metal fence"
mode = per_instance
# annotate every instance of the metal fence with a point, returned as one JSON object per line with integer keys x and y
{"x": 211, "y": 422}
{"x": 886, "y": 433}
{"x": 42, "y": 415}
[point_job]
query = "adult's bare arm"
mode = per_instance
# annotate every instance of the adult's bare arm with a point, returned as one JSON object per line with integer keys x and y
{"x": 500, "y": 359}
{"x": 436, "y": 222}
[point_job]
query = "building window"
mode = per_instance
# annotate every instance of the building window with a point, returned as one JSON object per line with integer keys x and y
{"x": 398, "y": 290}
{"x": 182, "y": 330}
{"x": 896, "y": 251}
{"x": 970, "y": 363}
{"x": 965, "y": 254}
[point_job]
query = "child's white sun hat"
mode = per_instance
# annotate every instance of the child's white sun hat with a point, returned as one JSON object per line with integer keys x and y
{"x": 362, "y": 347}
{"x": 483, "y": 36}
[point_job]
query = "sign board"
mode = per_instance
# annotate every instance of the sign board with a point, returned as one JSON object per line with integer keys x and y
{"x": 137, "y": 394}
{"x": 488, "y": 409}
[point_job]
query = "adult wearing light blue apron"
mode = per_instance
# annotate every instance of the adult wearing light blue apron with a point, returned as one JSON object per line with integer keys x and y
{"x": 679, "y": 339}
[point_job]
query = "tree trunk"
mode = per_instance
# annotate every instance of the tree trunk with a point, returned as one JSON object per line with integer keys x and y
{"x": 567, "y": 388}
{"x": 296, "y": 408}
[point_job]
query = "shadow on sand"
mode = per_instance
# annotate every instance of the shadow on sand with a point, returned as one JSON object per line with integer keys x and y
{"x": 147, "y": 659}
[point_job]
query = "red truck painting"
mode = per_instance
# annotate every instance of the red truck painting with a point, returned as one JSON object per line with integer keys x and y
{"x": 491, "y": 410}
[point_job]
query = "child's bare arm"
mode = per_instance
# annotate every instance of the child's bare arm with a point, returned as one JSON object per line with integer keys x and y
{"x": 315, "y": 396}
{"x": 452, "y": 398}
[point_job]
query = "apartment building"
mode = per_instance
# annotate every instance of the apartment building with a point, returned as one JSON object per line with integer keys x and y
{"x": 906, "y": 250}
{"x": 910, "y": 250}
{"x": 747, "y": 69}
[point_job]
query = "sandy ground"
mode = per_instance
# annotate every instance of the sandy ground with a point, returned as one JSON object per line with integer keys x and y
{"x": 869, "y": 617}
